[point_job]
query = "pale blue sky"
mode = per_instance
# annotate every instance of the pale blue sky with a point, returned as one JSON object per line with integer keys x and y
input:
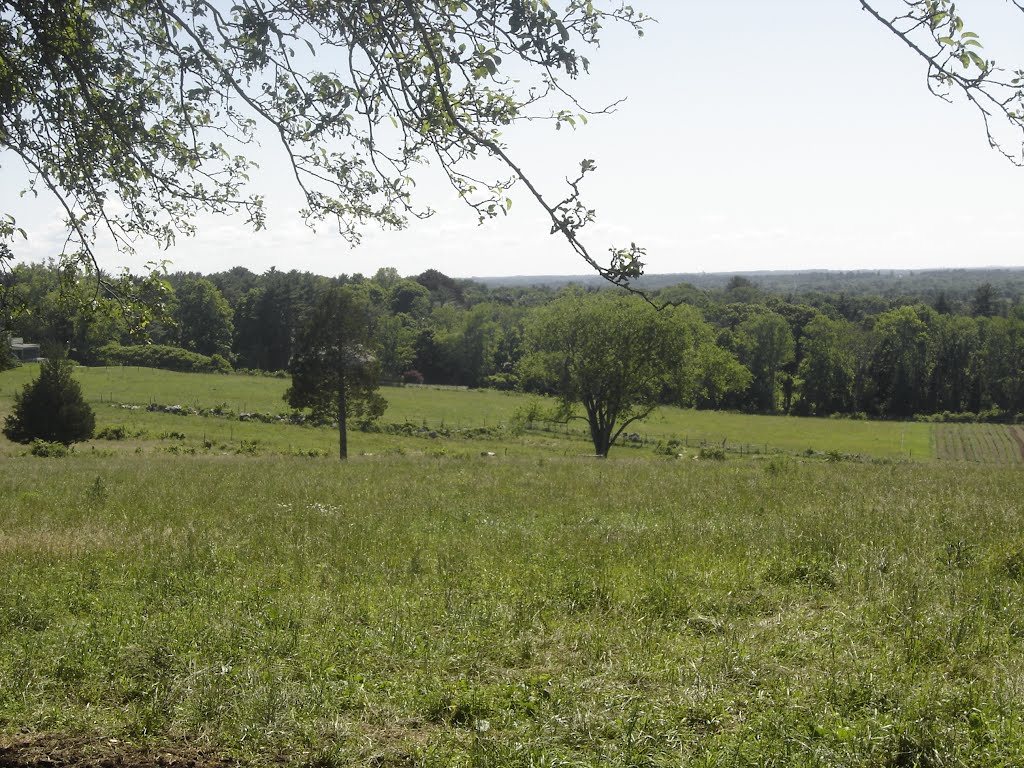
{"x": 794, "y": 134}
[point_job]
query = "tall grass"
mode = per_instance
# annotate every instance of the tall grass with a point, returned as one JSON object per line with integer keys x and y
{"x": 516, "y": 612}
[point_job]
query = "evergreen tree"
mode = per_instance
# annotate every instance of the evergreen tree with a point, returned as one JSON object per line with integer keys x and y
{"x": 51, "y": 408}
{"x": 335, "y": 370}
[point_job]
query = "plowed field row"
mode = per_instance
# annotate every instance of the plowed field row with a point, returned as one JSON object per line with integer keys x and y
{"x": 982, "y": 443}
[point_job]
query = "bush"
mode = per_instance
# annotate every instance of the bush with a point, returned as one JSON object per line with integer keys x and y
{"x": 671, "y": 448}
{"x": 51, "y": 408}
{"x": 47, "y": 450}
{"x": 7, "y": 360}
{"x": 161, "y": 356}
{"x": 711, "y": 453}
{"x": 503, "y": 382}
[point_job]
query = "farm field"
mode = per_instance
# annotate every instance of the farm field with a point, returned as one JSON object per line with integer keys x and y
{"x": 983, "y": 443}
{"x": 454, "y": 409}
{"x": 455, "y": 610}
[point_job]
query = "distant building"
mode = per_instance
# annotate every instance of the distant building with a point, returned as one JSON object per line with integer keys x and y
{"x": 24, "y": 352}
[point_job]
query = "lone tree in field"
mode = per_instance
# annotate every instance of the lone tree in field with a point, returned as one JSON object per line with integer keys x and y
{"x": 615, "y": 355}
{"x": 335, "y": 369}
{"x": 51, "y": 408}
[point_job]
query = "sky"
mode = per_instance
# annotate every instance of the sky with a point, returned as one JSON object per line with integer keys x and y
{"x": 783, "y": 135}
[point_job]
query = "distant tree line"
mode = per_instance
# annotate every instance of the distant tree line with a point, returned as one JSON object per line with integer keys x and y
{"x": 749, "y": 348}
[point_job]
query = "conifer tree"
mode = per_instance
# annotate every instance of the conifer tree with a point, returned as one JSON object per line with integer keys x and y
{"x": 51, "y": 408}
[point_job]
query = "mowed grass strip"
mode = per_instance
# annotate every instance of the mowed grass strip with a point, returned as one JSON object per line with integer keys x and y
{"x": 520, "y": 612}
{"x": 893, "y": 439}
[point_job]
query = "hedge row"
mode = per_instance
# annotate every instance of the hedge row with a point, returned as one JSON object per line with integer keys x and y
{"x": 161, "y": 356}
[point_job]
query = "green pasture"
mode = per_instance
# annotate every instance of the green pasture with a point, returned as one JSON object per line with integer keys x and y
{"x": 527, "y": 611}
{"x": 455, "y": 409}
{"x": 228, "y": 589}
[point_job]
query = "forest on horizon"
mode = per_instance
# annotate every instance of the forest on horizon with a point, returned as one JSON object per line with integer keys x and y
{"x": 942, "y": 344}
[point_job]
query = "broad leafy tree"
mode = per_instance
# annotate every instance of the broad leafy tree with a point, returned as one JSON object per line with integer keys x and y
{"x": 1001, "y": 364}
{"x": 334, "y": 368}
{"x": 900, "y": 361}
{"x": 828, "y": 369}
{"x": 137, "y": 116}
{"x": 954, "y": 348}
{"x": 204, "y": 318}
{"x": 51, "y": 408}
{"x": 765, "y": 345}
{"x": 614, "y": 355}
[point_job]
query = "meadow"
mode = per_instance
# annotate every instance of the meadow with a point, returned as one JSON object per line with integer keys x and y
{"x": 459, "y": 410}
{"x": 432, "y": 606}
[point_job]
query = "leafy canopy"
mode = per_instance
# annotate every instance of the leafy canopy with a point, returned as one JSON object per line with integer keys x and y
{"x": 139, "y": 115}
{"x": 613, "y": 354}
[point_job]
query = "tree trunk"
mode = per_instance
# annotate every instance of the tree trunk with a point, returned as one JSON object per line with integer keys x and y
{"x": 342, "y": 428}
{"x": 600, "y": 433}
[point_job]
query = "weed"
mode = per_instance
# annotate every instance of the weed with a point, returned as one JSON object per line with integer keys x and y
{"x": 97, "y": 493}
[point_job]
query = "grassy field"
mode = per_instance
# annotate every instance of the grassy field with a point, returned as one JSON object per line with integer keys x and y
{"x": 459, "y": 611}
{"x": 453, "y": 409}
{"x": 211, "y": 590}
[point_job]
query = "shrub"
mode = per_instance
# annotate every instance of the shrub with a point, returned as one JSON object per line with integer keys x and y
{"x": 7, "y": 360}
{"x": 503, "y": 382}
{"x": 51, "y": 408}
{"x": 161, "y": 356}
{"x": 412, "y": 376}
{"x": 47, "y": 450}
{"x": 120, "y": 432}
{"x": 671, "y": 448}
